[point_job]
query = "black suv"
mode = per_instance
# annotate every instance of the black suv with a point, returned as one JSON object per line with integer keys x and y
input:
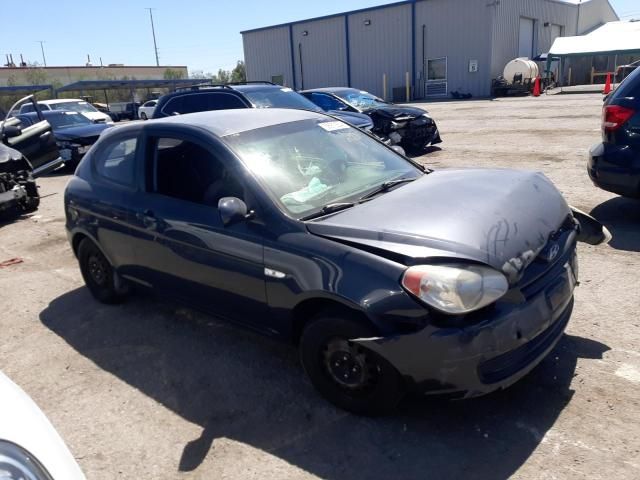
{"x": 614, "y": 164}
{"x": 207, "y": 97}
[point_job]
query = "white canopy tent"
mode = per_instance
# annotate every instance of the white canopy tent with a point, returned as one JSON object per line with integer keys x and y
{"x": 612, "y": 38}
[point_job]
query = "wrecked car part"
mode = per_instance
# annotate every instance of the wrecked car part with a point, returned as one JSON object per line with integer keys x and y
{"x": 18, "y": 190}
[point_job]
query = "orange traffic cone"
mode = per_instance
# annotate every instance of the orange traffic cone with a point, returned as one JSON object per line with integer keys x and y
{"x": 536, "y": 87}
{"x": 607, "y": 85}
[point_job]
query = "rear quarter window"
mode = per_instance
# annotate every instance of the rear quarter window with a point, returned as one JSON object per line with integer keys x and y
{"x": 116, "y": 161}
{"x": 630, "y": 86}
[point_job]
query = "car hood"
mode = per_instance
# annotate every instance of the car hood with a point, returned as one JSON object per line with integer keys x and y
{"x": 12, "y": 160}
{"x": 359, "y": 120}
{"x": 395, "y": 112}
{"x": 8, "y": 154}
{"x": 502, "y": 218}
{"x": 84, "y": 134}
{"x": 24, "y": 424}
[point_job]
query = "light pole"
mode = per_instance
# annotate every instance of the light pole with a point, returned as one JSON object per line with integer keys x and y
{"x": 44, "y": 60}
{"x": 153, "y": 32}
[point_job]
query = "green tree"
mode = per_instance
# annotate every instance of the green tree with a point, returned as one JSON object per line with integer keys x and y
{"x": 34, "y": 75}
{"x": 239, "y": 74}
{"x": 223, "y": 76}
{"x": 172, "y": 74}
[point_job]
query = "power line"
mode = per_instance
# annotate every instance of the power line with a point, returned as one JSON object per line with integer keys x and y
{"x": 153, "y": 32}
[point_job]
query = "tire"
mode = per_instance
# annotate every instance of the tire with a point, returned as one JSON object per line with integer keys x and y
{"x": 32, "y": 202}
{"x": 98, "y": 274}
{"x": 376, "y": 388}
{"x": 143, "y": 116}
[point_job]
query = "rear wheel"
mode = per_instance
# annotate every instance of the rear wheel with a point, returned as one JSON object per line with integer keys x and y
{"x": 143, "y": 116}
{"x": 98, "y": 274}
{"x": 345, "y": 373}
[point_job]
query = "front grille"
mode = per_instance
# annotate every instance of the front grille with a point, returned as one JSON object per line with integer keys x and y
{"x": 508, "y": 364}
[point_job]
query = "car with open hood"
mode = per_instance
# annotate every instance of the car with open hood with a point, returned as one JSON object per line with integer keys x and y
{"x": 74, "y": 133}
{"x": 410, "y": 127}
{"x": 389, "y": 277}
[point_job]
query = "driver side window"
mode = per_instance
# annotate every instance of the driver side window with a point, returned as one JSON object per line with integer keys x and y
{"x": 187, "y": 171}
{"x": 327, "y": 102}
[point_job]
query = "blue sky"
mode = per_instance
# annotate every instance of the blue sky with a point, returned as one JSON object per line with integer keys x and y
{"x": 202, "y": 34}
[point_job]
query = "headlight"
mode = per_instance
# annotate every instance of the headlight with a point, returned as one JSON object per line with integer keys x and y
{"x": 398, "y": 125}
{"x": 455, "y": 288}
{"x": 18, "y": 464}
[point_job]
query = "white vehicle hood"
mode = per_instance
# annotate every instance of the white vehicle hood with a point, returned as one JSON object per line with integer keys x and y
{"x": 93, "y": 116}
{"x": 23, "y": 423}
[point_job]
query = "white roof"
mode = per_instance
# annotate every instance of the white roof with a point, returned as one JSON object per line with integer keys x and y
{"x": 612, "y": 37}
{"x": 60, "y": 100}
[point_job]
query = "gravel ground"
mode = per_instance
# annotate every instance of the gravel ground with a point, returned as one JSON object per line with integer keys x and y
{"x": 152, "y": 390}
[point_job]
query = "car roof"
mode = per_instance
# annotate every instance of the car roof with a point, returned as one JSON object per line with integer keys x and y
{"x": 229, "y": 122}
{"x": 61, "y": 100}
{"x": 332, "y": 90}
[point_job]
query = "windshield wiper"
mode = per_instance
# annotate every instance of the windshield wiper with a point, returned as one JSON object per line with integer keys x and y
{"x": 327, "y": 209}
{"x": 386, "y": 186}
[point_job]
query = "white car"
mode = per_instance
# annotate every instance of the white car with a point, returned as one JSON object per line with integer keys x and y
{"x": 146, "y": 110}
{"x": 30, "y": 448}
{"x": 70, "y": 105}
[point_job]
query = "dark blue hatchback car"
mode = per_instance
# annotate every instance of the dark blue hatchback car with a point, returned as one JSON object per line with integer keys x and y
{"x": 390, "y": 277}
{"x": 614, "y": 164}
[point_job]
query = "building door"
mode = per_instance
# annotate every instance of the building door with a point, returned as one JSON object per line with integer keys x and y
{"x": 525, "y": 43}
{"x": 436, "y": 84}
{"x": 556, "y": 31}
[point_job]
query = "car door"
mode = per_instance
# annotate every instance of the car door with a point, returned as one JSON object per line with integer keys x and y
{"x": 181, "y": 246}
{"x": 108, "y": 213}
{"x": 36, "y": 142}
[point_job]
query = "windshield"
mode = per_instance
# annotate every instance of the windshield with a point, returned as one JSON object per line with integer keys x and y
{"x": 280, "y": 98}
{"x": 81, "y": 107}
{"x": 308, "y": 164}
{"x": 67, "y": 119}
{"x": 361, "y": 100}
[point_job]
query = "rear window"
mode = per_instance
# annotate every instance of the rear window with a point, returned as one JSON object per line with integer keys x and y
{"x": 202, "y": 102}
{"x": 630, "y": 86}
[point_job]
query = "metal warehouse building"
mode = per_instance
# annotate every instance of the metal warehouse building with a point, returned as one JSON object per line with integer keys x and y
{"x": 443, "y": 45}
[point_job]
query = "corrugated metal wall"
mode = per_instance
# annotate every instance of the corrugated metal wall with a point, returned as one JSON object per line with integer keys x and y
{"x": 506, "y": 27}
{"x": 323, "y": 51}
{"x": 267, "y": 53}
{"x": 595, "y": 13}
{"x": 382, "y": 47}
{"x": 461, "y": 31}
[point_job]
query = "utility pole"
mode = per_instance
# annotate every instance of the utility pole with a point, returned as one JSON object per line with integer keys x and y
{"x": 44, "y": 60}
{"x": 153, "y": 32}
{"x": 578, "y": 19}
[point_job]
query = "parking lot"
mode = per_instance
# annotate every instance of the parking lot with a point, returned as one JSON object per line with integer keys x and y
{"x": 149, "y": 389}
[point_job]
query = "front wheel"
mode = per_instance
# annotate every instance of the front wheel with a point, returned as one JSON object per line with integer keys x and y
{"x": 345, "y": 373}
{"x": 143, "y": 116}
{"x": 98, "y": 274}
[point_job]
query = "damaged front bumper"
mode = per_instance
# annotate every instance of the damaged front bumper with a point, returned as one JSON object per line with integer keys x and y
{"x": 511, "y": 339}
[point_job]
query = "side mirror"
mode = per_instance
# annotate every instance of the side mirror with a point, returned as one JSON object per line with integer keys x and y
{"x": 233, "y": 210}
{"x": 399, "y": 149}
{"x": 11, "y": 131}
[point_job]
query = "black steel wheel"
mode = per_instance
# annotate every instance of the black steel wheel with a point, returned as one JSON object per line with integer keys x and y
{"x": 345, "y": 373}
{"x": 98, "y": 274}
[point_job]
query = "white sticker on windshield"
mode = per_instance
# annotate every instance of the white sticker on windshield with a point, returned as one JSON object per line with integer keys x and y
{"x": 286, "y": 89}
{"x": 332, "y": 126}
